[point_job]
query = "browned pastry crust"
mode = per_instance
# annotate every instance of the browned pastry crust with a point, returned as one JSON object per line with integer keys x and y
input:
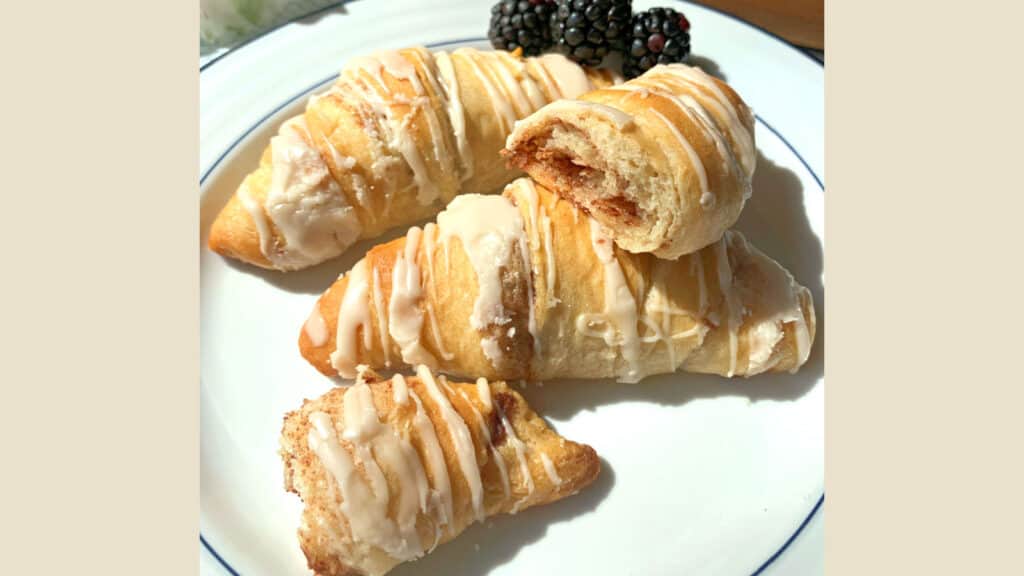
{"x": 727, "y": 309}
{"x": 326, "y": 536}
{"x": 663, "y": 162}
{"x": 396, "y": 137}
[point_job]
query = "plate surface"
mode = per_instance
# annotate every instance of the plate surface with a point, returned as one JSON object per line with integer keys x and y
{"x": 701, "y": 475}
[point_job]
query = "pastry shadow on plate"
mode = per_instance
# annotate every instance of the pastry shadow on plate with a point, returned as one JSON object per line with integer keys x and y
{"x": 708, "y": 65}
{"x": 775, "y": 221}
{"x": 496, "y": 541}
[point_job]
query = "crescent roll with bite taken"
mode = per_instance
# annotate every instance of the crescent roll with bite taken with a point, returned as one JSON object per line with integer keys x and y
{"x": 398, "y": 135}
{"x": 663, "y": 162}
{"x": 526, "y": 286}
{"x": 389, "y": 470}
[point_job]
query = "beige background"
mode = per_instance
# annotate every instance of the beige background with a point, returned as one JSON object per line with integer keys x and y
{"x": 99, "y": 288}
{"x": 100, "y": 306}
{"x": 923, "y": 424}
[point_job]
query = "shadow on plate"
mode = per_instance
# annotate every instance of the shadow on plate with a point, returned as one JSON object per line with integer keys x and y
{"x": 774, "y": 220}
{"x": 496, "y": 541}
{"x": 708, "y": 65}
{"x": 563, "y": 399}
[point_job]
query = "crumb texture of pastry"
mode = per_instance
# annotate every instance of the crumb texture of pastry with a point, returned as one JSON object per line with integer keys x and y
{"x": 394, "y": 139}
{"x": 388, "y": 470}
{"x": 525, "y": 285}
{"x": 664, "y": 161}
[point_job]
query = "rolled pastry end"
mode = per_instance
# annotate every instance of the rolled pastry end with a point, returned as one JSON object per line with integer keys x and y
{"x": 581, "y": 151}
{"x": 233, "y": 235}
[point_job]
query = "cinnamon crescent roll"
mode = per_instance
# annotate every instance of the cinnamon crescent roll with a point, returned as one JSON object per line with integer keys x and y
{"x": 525, "y": 286}
{"x": 663, "y": 162}
{"x": 388, "y": 470}
{"x": 398, "y": 135}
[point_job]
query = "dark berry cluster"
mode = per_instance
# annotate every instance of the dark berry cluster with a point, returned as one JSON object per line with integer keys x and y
{"x": 657, "y": 36}
{"x": 521, "y": 24}
{"x": 588, "y": 30}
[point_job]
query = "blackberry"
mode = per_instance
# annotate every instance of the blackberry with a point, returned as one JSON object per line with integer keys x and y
{"x": 657, "y": 36}
{"x": 521, "y": 24}
{"x": 587, "y": 30}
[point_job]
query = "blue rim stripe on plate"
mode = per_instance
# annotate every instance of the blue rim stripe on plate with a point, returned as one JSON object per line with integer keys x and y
{"x": 233, "y": 49}
{"x": 220, "y": 559}
{"x": 799, "y": 529}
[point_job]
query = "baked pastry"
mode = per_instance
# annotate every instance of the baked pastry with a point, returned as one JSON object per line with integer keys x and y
{"x": 524, "y": 286}
{"x": 394, "y": 139}
{"x": 390, "y": 469}
{"x": 663, "y": 162}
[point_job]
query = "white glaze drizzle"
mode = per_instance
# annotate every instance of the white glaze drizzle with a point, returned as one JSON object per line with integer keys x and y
{"x": 512, "y": 89}
{"x": 531, "y": 323}
{"x": 461, "y": 438}
{"x": 400, "y": 389}
{"x": 429, "y": 234}
{"x": 405, "y": 319}
{"x": 657, "y": 303}
{"x": 551, "y": 275}
{"x": 366, "y": 506}
{"x": 441, "y": 493}
{"x": 784, "y": 295}
{"x": 689, "y": 106}
{"x": 352, "y": 314}
{"x": 620, "y": 309}
{"x": 738, "y": 131}
{"x": 259, "y": 218}
{"x": 396, "y": 129}
{"x": 540, "y": 236}
{"x": 695, "y": 161}
{"x": 803, "y": 335}
{"x": 520, "y": 450}
{"x": 499, "y": 461}
{"x": 341, "y": 162}
{"x": 316, "y": 328}
{"x": 483, "y": 391}
{"x": 437, "y": 135}
{"x": 550, "y": 470}
{"x": 501, "y": 106}
{"x": 571, "y": 79}
{"x": 304, "y": 202}
{"x": 370, "y": 118}
{"x": 526, "y": 186}
{"x": 728, "y": 300}
{"x": 370, "y": 437}
{"x": 488, "y": 227}
{"x": 456, "y": 112}
{"x": 382, "y": 321}
{"x": 531, "y": 88}
{"x": 538, "y": 70}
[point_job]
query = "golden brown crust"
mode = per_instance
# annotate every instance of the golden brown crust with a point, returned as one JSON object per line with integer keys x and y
{"x": 616, "y": 152}
{"x": 349, "y": 128}
{"x": 231, "y": 235}
{"x": 324, "y": 534}
{"x": 763, "y": 304}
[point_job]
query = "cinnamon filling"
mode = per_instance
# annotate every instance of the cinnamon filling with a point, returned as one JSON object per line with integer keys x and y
{"x": 507, "y": 403}
{"x": 577, "y": 183}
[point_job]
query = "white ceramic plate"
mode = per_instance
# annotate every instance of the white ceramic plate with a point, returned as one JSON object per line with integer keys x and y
{"x": 701, "y": 475}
